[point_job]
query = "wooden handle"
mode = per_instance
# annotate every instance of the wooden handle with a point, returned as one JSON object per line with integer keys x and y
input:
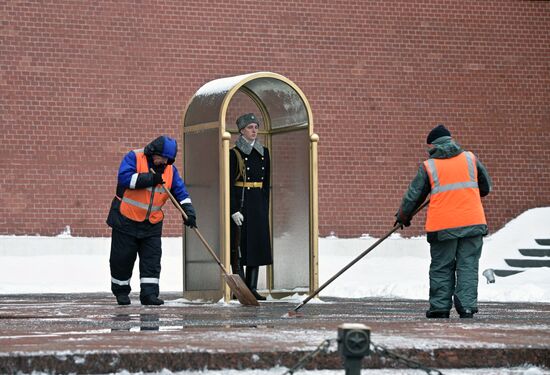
{"x": 360, "y": 256}
{"x": 203, "y": 240}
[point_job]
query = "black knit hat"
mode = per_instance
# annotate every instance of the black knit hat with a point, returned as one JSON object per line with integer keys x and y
{"x": 437, "y": 132}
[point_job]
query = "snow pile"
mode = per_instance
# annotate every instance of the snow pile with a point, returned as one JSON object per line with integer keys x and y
{"x": 221, "y": 85}
{"x": 397, "y": 268}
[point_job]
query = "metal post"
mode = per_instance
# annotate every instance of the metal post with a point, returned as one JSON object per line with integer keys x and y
{"x": 353, "y": 345}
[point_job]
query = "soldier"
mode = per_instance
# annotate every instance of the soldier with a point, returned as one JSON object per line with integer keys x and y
{"x": 136, "y": 217}
{"x": 455, "y": 224}
{"x": 249, "y": 206}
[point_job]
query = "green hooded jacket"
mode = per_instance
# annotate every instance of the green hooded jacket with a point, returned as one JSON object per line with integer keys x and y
{"x": 419, "y": 189}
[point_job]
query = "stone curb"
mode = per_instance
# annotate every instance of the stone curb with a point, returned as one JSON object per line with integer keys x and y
{"x": 108, "y": 362}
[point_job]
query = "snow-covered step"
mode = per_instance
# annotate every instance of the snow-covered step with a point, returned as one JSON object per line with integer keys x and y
{"x": 535, "y": 252}
{"x": 527, "y": 263}
{"x": 504, "y": 273}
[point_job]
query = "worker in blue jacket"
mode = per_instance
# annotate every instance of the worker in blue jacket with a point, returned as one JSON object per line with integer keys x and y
{"x": 136, "y": 217}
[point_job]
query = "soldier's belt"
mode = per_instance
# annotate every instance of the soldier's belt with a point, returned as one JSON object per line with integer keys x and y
{"x": 249, "y": 184}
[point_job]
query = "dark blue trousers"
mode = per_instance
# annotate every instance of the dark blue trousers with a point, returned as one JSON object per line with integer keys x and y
{"x": 124, "y": 250}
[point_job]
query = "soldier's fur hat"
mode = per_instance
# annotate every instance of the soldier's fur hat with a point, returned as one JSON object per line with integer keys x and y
{"x": 246, "y": 119}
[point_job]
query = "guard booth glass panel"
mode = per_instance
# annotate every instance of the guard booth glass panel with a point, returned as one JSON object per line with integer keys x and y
{"x": 204, "y": 109}
{"x": 290, "y": 199}
{"x": 202, "y": 155}
{"x": 284, "y": 105}
{"x": 205, "y": 105}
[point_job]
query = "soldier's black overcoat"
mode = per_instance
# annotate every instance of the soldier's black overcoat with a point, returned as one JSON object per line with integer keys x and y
{"x": 255, "y": 238}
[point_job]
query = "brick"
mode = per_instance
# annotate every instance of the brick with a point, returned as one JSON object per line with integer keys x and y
{"x": 81, "y": 84}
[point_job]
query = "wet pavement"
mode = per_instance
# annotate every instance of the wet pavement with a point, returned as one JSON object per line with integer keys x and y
{"x": 89, "y": 333}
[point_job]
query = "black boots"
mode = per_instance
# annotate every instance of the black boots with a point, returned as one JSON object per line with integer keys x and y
{"x": 258, "y": 296}
{"x": 123, "y": 299}
{"x": 151, "y": 299}
{"x": 252, "y": 281}
{"x": 464, "y": 312}
{"x": 437, "y": 314}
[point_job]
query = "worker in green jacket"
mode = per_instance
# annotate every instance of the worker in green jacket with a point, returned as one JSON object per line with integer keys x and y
{"x": 455, "y": 180}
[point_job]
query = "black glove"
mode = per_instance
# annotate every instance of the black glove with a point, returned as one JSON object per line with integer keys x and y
{"x": 402, "y": 219}
{"x": 157, "y": 179}
{"x": 159, "y": 168}
{"x": 146, "y": 180}
{"x": 191, "y": 221}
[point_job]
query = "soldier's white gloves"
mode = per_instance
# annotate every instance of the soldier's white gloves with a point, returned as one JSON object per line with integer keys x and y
{"x": 238, "y": 218}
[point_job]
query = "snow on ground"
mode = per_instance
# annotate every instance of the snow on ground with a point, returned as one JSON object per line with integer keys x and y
{"x": 397, "y": 268}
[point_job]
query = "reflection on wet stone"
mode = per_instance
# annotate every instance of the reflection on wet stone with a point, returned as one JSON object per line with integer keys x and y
{"x": 149, "y": 322}
{"x": 90, "y": 335}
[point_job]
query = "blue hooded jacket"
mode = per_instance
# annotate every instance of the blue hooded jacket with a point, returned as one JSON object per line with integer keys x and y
{"x": 128, "y": 178}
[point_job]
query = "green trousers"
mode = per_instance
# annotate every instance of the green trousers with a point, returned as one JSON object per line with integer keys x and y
{"x": 454, "y": 273}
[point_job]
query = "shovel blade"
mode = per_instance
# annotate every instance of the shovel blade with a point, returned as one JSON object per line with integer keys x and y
{"x": 240, "y": 290}
{"x": 293, "y": 314}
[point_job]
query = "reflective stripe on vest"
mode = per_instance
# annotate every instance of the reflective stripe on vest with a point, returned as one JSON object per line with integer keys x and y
{"x": 454, "y": 200}
{"x": 146, "y": 204}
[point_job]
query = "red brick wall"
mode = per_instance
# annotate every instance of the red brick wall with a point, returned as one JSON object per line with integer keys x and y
{"x": 81, "y": 83}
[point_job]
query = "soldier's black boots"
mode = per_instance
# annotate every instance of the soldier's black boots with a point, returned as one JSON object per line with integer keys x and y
{"x": 151, "y": 299}
{"x": 437, "y": 314}
{"x": 258, "y": 296}
{"x": 123, "y": 299}
{"x": 252, "y": 281}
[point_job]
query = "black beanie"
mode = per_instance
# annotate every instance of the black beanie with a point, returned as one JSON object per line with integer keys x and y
{"x": 439, "y": 131}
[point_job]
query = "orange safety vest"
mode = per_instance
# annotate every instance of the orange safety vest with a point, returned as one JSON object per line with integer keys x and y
{"x": 454, "y": 200}
{"x": 146, "y": 203}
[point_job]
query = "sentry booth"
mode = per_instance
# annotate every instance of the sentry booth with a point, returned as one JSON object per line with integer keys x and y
{"x": 209, "y": 131}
